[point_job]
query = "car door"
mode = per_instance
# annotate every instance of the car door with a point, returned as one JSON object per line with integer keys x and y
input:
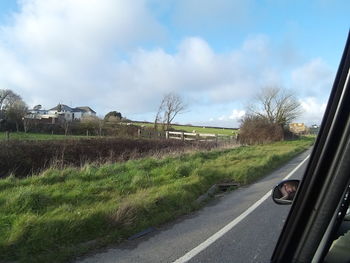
{"x": 322, "y": 197}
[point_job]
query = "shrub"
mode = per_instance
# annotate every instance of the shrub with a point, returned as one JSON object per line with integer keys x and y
{"x": 258, "y": 130}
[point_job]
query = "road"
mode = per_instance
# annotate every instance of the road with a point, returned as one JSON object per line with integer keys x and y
{"x": 240, "y": 226}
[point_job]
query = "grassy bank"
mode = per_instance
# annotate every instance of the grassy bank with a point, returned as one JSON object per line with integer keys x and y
{"x": 51, "y": 217}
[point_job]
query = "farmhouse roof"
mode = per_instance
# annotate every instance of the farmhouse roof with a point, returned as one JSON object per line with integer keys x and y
{"x": 85, "y": 109}
{"x": 63, "y": 108}
{"x": 76, "y": 109}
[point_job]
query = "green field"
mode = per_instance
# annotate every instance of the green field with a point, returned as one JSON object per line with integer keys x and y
{"x": 42, "y": 136}
{"x": 198, "y": 129}
{"x": 51, "y": 217}
{"x": 36, "y": 136}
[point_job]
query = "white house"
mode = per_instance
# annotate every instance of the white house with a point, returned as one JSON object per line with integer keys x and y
{"x": 70, "y": 114}
{"x": 85, "y": 111}
{"x": 62, "y": 110}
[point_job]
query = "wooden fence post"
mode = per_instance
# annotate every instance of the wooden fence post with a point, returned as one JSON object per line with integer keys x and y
{"x": 182, "y": 136}
{"x": 139, "y": 133}
{"x": 216, "y": 139}
{"x": 7, "y": 135}
{"x": 87, "y": 132}
{"x": 198, "y": 137}
{"x": 167, "y": 135}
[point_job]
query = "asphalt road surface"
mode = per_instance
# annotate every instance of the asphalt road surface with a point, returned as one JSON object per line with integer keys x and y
{"x": 240, "y": 226}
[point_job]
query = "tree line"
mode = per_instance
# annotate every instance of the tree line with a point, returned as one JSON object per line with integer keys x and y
{"x": 266, "y": 119}
{"x": 13, "y": 111}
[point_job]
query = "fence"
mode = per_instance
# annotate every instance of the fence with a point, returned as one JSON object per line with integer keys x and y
{"x": 187, "y": 136}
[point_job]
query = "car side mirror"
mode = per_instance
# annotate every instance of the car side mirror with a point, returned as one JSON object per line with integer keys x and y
{"x": 284, "y": 192}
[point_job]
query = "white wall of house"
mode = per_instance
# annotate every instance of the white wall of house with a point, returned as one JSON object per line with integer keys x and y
{"x": 46, "y": 116}
{"x": 67, "y": 115}
{"x": 52, "y": 112}
{"x": 77, "y": 115}
{"x": 88, "y": 114}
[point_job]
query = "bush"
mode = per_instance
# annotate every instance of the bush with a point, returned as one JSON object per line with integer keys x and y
{"x": 258, "y": 130}
{"x": 117, "y": 116}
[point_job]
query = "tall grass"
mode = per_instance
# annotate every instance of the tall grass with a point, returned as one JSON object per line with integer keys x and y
{"x": 51, "y": 217}
{"x": 26, "y": 157}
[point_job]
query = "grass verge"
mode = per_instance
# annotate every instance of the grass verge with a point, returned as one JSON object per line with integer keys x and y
{"x": 54, "y": 216}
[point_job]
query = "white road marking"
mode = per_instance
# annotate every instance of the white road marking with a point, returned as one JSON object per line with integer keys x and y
{"x": 195, "y": 251}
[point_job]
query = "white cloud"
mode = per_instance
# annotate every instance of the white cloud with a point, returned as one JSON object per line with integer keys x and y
{"x": 81, "y": 26}
{"x": 62, "y": 50}
{"x": 88, "y": 52}
{"x": 313, "y": 78}
{"x": 312, "y": 110}
{"x": 237, "y": 114}
{"x": 231, "y": 120}
{"x": 197, "y": 71}
{"x": 221, "y": 118}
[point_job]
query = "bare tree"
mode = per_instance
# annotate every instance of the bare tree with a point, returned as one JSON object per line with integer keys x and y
{"x": 66, "y": 124}
{"x": 93, "y": 123}
{"x": 12, "y": 107}
{"x": 171, "y": 105}
{"x": 7, "y": 98}
{"x": 16, "y": 111}
{"x": 4, "y": 93}
{"x": 26, "y": 124}
{"x": 158, "y": 117}
{"x": 277, "y": 105}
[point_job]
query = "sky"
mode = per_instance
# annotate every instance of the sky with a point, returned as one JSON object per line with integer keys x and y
{"x": 126, "y": 55}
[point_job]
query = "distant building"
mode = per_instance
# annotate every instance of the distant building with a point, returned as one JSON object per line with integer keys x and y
{"x": 85, "y": 111}
{"x": 314, "y": 129}
{"x": 63, "y": 112}
{"x": 36, "y": 113}
{"x": 297, "y": 128}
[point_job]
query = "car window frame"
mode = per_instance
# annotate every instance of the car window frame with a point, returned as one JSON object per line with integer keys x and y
{"x": 314, "y": 205}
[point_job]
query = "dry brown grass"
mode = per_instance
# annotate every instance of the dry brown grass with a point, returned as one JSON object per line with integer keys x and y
{"x": 25, "y": 158}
